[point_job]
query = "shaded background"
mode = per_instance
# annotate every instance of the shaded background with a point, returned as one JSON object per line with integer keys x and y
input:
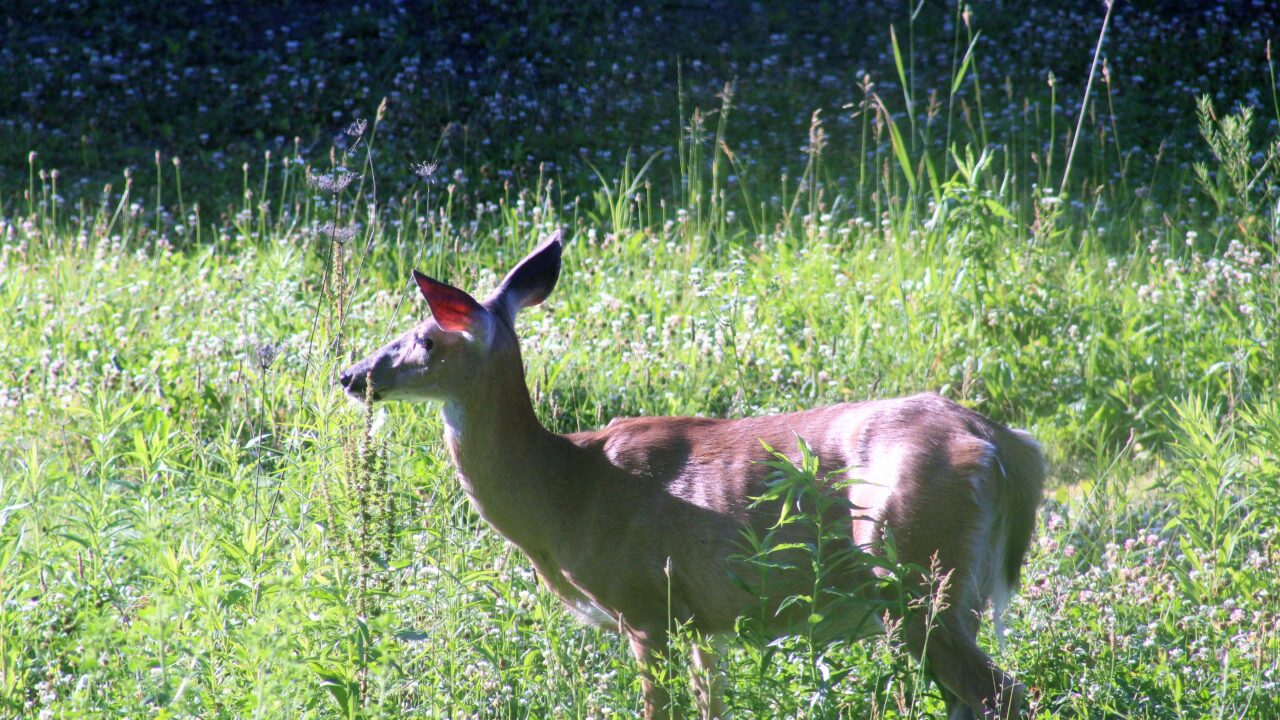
{"x": 496, "y": 89}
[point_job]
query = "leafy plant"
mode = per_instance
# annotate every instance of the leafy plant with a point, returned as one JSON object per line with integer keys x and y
{"x": 1242, "y": 182}
{"x": 850, "y": 588}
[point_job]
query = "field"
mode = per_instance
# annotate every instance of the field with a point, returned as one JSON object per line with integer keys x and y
{"x": 205, "y": 212}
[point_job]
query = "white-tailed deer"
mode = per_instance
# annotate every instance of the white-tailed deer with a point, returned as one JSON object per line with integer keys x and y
{"x": 640, "y": 525}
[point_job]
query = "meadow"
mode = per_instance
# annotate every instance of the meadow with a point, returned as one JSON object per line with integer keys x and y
{"x": 205, "y": 214}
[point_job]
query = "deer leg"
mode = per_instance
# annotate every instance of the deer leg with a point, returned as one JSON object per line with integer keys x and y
{"x": 650, "y": 650}
{"x": 708, "y": 678}
{"x": 973, "y": 686}
{"x": 956, "y": 708}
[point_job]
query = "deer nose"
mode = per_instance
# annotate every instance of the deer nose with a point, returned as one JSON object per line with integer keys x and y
{"x": 345, "y": 379}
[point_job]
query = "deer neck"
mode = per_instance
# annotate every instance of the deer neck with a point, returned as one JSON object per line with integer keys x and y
{"x": 506, "y": 459}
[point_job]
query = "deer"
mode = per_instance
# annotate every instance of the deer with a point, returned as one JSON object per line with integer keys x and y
{"x": 637, "y": 526}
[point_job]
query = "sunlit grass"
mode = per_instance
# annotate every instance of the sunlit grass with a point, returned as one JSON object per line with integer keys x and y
{"x": 176, "y": 514}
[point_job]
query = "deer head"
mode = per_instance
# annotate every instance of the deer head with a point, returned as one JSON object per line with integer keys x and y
{"x": 465, "y": 343}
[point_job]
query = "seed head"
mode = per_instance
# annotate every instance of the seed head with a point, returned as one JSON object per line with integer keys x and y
{"x": 817, "y": 136}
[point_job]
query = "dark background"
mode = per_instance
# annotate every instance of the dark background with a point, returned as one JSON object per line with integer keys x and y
{"x": 497, "y": 89}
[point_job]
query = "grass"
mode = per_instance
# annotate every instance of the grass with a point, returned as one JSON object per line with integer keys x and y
{"x": 194, "y": 522}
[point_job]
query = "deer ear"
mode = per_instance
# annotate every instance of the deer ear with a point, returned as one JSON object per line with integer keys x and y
{"x": 453, "y": 309}
{"x": 533, "y": 279}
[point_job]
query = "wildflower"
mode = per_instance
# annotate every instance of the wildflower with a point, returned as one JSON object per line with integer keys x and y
{"x": 1054, "y": 522}
{"x": 336, "y": 233}
{"x": 357, "y": 128}
{"x": 333, "y": 183}
{"x": 425, "y": 170}
{"x": 266, "y": 354}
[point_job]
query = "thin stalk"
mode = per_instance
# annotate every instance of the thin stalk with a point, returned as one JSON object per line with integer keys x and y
{"x": 159, "y": 186}
{"x": 31, "y": 183}
{"x": 1088, "y": 88}
{"x": 1053, "y": 128}
{"x": 722, "y": 122}
{"x": 1271, "y": 69}
{"x": 1115, "y": 128}
{"x": 53, "y": 199}
{"x": 177, "y": 178}
{"x": 866, "y": 87}
{"x": 951, "y": 97}
{"x": 262, "y": 195}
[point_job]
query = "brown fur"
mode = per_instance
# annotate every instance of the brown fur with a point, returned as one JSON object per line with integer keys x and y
{"x": 640, "y": 521}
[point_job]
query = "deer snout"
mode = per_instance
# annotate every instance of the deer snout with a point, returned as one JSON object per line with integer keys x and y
{"x": 372, "y": 377}
{"x": 354, "y": 380}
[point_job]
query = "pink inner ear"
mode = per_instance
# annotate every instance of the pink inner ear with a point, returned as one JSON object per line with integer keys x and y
{"x": 453, "y": 309}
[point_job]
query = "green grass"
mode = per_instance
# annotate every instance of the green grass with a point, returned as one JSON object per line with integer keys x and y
{"x": 177, "y": 519}
{"x": 195, "y": 522}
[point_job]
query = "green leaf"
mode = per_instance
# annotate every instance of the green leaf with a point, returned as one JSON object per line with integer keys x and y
{"x": 902, "y": 72}
{"x": 900, "y": 152}
{"x": 964, "y": 64}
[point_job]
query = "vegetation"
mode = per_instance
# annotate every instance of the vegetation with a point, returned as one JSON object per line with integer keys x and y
{"x": 195, "y": 522}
